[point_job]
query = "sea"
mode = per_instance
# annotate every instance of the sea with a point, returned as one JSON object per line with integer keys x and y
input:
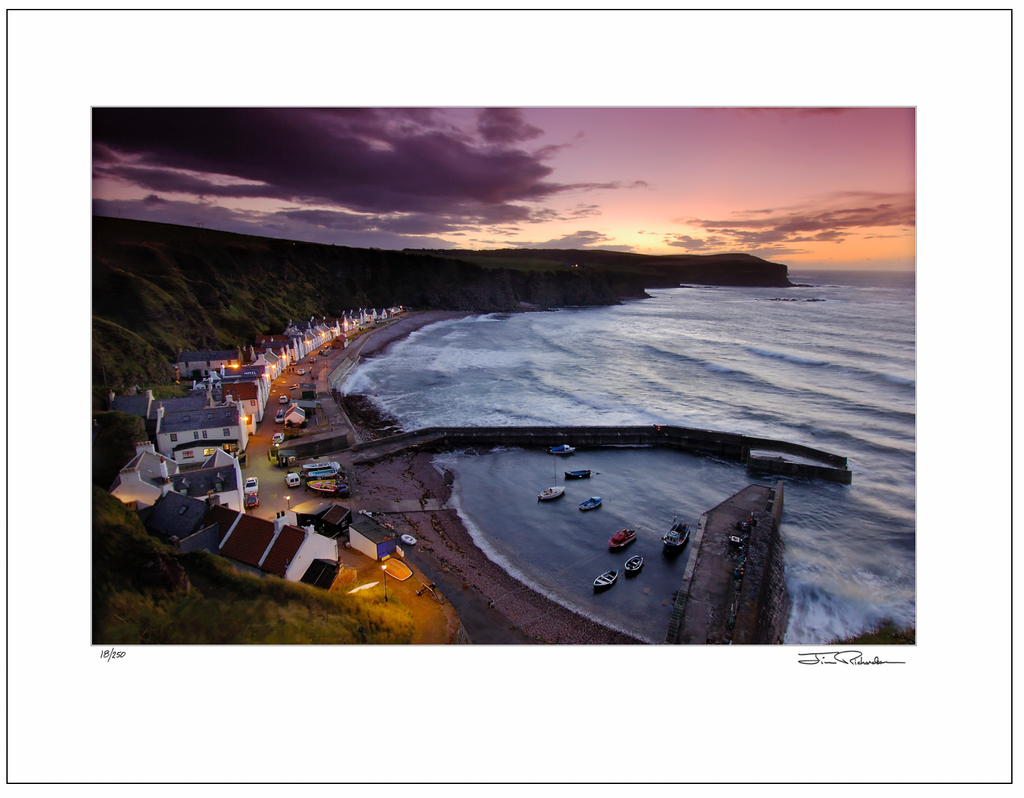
{"x": 829, "y": 364}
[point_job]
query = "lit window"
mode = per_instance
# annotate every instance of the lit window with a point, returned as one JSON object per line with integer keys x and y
{"x": 208, "y": 452}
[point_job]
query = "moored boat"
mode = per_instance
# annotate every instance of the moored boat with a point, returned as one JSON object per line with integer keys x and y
{"x": 676, "y": 538}
{"x": 409, "y": 540}
{"x": 606, "y": 580}
{"x": 581, "y": 474}
{"x": 548, "y": 494}
{"x": 633, "y": 565}
{"x": 563, "y": 449}
{"x": 621, "y": 538}
{"x": 591, "y": 503}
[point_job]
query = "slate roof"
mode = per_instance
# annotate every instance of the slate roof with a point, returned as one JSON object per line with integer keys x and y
{"x": 133, "y": 405}
{"x": 147, "y": 464}
{"x": 283, "y": 551}
{"x": 180, "y": 404}
{"x": 176, "y": 515}
{"x": 202, "y": 481}
{"x": 249, "y": 540}
{"x": 223, "y": 517}
{"x": 320, "y": 573}
{"x": 336, "y": 515}
{"x": 208, "y": 354}
{"x": 204, "y": 418}
{"x": 370, "y": 529}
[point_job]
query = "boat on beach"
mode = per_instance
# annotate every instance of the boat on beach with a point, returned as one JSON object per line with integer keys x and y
{"x": 548, "y": 494}
{"x": 633, "y": 565}
{"x": 591, "y": 503}
{"x": 621, "y": 539}
{"x": 606, "y": 580}
{"x": 676, "y": 538}
{"x": 327, "y": 486}
{"x": 563, "y": 449}
{"x": 581, "y": 474}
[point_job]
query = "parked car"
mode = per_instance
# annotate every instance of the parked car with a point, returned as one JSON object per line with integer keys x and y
{"x": 295, "y": 387}
{"x": 300, "y": 372}
{"x": 292, "y": 480}
{"x": 279, "y": 418}
{"x": 252, "y": 500}
{"x": 284, "y": 399}
{"x": 278, "y": 437}
{"x": 252, "y": 485}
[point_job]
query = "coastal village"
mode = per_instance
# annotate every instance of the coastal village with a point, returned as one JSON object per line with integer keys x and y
{"x": 219, "y": 471}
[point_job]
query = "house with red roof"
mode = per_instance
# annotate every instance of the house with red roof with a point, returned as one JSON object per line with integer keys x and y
{"x": 276, "y": 547}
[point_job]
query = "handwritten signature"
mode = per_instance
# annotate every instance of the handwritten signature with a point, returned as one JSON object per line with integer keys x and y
{"x": 843, "y": 658}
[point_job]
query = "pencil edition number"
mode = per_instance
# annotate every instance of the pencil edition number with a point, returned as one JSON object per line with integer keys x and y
{"x": 109, "y": 654}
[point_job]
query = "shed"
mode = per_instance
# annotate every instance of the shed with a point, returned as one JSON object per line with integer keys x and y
{"x": 286, "y": 458}
{"x": 372, "y": 539}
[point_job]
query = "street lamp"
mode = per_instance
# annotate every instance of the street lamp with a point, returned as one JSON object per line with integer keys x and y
{"x": 384, "y": 568}
{"x": 289, "y": 500}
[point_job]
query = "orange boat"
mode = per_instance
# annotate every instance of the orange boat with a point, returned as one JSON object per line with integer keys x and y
{"x": 621, "y": 538}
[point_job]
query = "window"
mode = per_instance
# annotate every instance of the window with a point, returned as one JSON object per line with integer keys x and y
{"x": 188, "y": 454}
{"x": 174, "y": 437}
{"x": 195, "y": 435}
{"x": 204, "y": 433}
{"x": 208, "y": 452}
{"x": 226, "y": 432}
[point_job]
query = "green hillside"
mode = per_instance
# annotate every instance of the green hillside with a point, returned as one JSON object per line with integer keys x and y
{"x": 159, "y": 288}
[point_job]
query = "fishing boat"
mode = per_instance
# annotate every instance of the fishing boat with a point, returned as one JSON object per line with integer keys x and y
{"x": 582, "y": 474}
{"x": 621, "y": 539}
{"x": 548, "y": 494}
{"x": 633, "y": 565}
{"x": 591, "y": 503}
{"x": 676, "y": 538}
{"x": 606, "y": 580}
{"x": 322, "y": 474}
{"x": 563, "y": 449}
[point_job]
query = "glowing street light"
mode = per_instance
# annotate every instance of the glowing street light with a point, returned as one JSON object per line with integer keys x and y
{"x": 384, "y": 568}
{"x": 289, "y": 500}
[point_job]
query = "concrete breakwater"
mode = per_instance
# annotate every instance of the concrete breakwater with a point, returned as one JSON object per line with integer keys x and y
{"x": 769, "y": 456}
{"x": 734, "y": 586}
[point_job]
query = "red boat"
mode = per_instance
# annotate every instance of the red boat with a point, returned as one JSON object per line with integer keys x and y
{"x": 621, "y": 538}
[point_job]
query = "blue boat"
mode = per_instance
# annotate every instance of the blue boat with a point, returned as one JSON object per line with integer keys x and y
{"x": 583, "y": 474}
{"x": 563, "y": 449}
{"x": 591, "y": 503}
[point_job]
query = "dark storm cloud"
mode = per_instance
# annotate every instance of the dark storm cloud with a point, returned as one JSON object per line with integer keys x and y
{"x": 505, "y": 126}
{"x": 365, "y": 160}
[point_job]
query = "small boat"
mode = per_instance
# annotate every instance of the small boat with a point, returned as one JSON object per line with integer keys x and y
{"x": 583, "y": 474}
{"x": 591, "y": 503}
{"x": 322, "y": 474}
{"x": 633, "y": 565}
{"x": 606, "y": 580}
{"x": 409, "y": 540}
{"x": 563, "y": 449}
{"x": 327, "y": 486}
{"x": 676, "y": 538}
{"x": 548, "y": 494}
{"x": 621, "y": 538}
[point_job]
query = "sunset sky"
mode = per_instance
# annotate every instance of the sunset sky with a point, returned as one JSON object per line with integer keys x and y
{"x": 809, "y": 187}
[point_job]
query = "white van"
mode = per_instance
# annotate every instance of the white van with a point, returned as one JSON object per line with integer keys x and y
{"x": 291, "y": 479}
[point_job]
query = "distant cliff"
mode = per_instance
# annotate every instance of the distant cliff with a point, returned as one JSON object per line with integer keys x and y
{"x": 159, "y": 288}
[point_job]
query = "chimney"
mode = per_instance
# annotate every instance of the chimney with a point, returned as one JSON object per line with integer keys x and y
{"x": 144, "y": 446}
